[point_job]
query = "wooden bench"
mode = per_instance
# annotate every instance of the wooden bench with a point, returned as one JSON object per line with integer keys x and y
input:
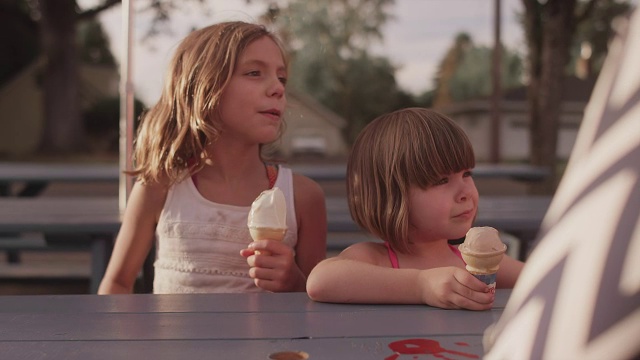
{"x": 37, "y": 176}
{"x": 520, "y": 216}
{"x": 96, "y": 220}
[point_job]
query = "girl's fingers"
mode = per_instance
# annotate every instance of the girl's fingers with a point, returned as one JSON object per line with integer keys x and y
{"x": 261, "y": 273}
{"x": 467, "y": 298}
{"x": 471, "y": 282}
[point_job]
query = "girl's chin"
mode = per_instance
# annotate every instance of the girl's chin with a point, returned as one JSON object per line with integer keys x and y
{"x": 266, "y": 139}
{"x": 460, "y": 234}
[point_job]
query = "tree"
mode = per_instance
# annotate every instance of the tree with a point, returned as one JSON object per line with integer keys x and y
{"x": 465, "y": 72}
{"x": 23, "y": 43}
{"x": 58, "y": 23}
{"x": 448, "y": 67}
{"x": 550, "y": 28}
{"x": 591, "y": 42}
{"x": 329, "y": 42}
{"x": 94, "y": 45}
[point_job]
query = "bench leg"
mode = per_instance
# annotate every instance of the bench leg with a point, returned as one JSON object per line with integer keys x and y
{"x": 33, "y": 188}
{"x": 527, "y": 239}
{"x": 148, "y": 271}
{"x": 13, "y": 257}
{"x": 101, "y": 248}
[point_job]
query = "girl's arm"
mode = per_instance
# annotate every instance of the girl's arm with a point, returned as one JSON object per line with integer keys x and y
{"x": 356, "y": 276}
{"x": 311, "y": 214}
{"x": 134, "y": 239}
{"x": 508, "y": 272}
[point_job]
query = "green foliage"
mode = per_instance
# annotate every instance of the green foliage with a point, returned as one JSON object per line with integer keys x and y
{"x": 465, "y": 71}
{"x": 20, "y": 43}
{"x": 372, "y": 91}
{"x": 447, "y": 68}
{"x": 596, "y": 30}
{"x": 426, "y": 99}
{"x": 102, "y": 120}
{"x": 94, "y": 44}
{"x": 472, "y": 78}
{"x": 329, "y": 41}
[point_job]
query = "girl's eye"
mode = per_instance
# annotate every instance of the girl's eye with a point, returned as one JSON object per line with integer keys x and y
{"x": 253, "y": 73}
{"x": 468, "y": 173}
{"x": 283, "y": 80}
{"x": 442, "y": 181}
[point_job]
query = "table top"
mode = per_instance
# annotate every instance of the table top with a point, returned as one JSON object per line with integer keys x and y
{"x": 75, "y": 172}
{"x": 234, "y": 326}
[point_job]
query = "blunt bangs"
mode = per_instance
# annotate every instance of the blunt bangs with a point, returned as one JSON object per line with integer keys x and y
{"x": 435, "y": 147}
{"x": 408, "y": 147}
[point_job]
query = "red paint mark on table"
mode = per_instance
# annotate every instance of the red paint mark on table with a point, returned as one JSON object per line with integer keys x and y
{"x": 424, "y": 347}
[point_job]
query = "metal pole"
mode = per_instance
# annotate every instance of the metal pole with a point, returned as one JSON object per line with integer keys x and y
{"x": 497, "y": 88}
{"x": 126, "y": 104}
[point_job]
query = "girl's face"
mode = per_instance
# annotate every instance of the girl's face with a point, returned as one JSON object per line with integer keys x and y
{"x": 445, "y": 210}
{"x": 253, "y": 103}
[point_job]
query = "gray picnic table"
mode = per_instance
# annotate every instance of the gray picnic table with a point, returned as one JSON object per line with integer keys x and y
{"x": 235, "y": 326}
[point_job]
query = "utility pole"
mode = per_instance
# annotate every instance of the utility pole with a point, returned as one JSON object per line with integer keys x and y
{"x": 496, "y": 95}
{"x": 126, "y": 104}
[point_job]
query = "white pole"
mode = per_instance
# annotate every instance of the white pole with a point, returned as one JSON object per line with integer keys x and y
{"x": 126, "y": 104}
{"x": 496, "y": 95}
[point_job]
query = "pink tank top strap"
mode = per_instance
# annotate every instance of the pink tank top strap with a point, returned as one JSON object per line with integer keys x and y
{"x": 272, "y": 174}
{"x": 393, "y": 257}
{"x": 457, "y": 252}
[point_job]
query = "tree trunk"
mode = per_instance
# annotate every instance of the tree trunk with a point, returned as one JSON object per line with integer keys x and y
{"x": 549, "y": 29}
{"x": 63, "y": 127}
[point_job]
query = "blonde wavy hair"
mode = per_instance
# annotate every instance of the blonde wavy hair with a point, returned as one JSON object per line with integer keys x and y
{"x": 404, "y": 148}
{"x": 174, "y": 133}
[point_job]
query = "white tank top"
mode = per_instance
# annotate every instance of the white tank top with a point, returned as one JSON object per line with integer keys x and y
{"x": 198, "y": 242}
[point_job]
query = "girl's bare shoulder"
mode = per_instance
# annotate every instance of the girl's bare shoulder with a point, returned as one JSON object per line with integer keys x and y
{"x": 306, "y": 188}
{"x": 371, "y": 252}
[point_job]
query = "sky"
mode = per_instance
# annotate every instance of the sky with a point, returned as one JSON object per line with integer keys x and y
{"x": 415, "y": 40}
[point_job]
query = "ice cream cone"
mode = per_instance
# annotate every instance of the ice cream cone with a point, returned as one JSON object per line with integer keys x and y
{"x": 482, "y": 251}
{"x": 267, "y": 217}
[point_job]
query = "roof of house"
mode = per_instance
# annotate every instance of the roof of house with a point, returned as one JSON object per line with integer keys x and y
{"x": 574, "y": 89}
{"x": 315, "y": 106}
{"x": 576, "y": 92}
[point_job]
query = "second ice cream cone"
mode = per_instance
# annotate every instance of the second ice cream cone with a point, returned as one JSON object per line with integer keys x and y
{"x": 482, "y": 251}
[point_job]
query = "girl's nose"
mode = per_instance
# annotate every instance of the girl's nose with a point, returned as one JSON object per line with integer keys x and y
{"x": 467, "y": 189}
{"x": 276, "y": 88}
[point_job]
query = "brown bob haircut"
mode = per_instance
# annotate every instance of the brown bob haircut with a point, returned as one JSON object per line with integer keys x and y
{"x": 398, "y": 150}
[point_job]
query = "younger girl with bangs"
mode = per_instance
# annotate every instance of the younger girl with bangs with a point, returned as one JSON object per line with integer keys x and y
{"x": 409, "y": 183}
{"x": 199, "y": 167}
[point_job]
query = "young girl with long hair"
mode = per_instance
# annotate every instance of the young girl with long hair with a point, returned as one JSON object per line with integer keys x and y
{"x": 199, "y": 167}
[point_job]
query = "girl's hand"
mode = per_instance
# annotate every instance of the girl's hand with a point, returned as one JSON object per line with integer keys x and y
{"x": 454, "y": 288}
{"x": 277, "y": 271}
